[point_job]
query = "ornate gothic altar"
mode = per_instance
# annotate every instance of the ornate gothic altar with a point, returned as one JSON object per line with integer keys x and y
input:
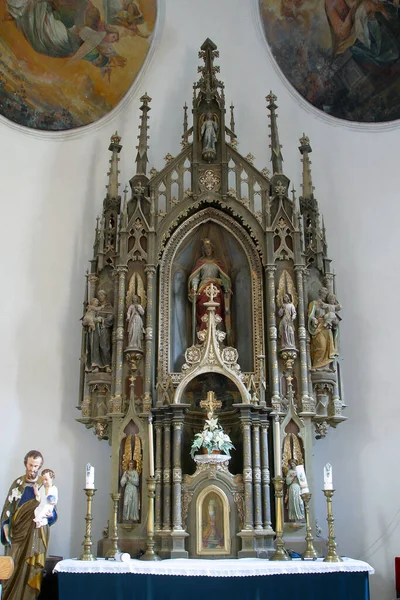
{"x": 209, "y": 275}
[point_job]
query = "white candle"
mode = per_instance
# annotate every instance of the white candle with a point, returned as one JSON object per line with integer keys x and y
{"x": 277, "y": 447}
{"x": 301, "y": 476}
{"x": 151, "y": 449}
{"x": 89, "y": 484}
{"x": 328, "y": 481}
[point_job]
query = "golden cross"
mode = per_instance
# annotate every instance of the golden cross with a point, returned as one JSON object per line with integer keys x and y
{"x": 211, "y": 404}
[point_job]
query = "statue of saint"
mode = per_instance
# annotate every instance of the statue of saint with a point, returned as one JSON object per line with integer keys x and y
{"x": 323, "y": 323}
{"x": 293, "y": 498}
{"x": 130, "y": 481}
{"x": 209, "y": 135}
{"x": 209, "y": 269}
{"x": 286, "y": 326}
{"x": 135, "y": 324}
{"x": 98, "y": 338}
{"x": 27, "y": 540}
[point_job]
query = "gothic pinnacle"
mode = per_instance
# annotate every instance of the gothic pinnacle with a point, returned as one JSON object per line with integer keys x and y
{"x": 305, "y": 149}
{"x": 141, "y": 157}
{"x": 276, "y": 154}
{"x": 114, "y": 147}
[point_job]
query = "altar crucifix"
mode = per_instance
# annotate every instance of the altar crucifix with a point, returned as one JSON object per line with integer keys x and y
{"x": 210, "y": 404}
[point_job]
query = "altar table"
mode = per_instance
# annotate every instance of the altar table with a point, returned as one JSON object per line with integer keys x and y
{"x": 195, "y": 579}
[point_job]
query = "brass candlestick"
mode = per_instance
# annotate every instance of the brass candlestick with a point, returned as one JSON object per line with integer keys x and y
{"x": 280, "y": 552}
{"x": 150, "y": 554}
{"x": 310, "y": 552}
{"x": 114, "y": 537}
{"x": 87, "y": 542}
{"x": 332, "y": 555}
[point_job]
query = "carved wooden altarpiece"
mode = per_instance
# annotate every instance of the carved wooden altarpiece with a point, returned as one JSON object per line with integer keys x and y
{"x": 157, "y": 337}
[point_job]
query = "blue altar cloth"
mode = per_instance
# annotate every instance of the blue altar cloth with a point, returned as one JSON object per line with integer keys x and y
{"x": 317, "y": 586}
{"x": 245, "y": 579}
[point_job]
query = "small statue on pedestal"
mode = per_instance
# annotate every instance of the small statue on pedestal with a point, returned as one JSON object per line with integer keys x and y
{"x": 135, "y": 324}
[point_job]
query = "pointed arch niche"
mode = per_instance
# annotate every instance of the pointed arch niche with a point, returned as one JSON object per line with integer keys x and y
{"x": 236, "y": 250}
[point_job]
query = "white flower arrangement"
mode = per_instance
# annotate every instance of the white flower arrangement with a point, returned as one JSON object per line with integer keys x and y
{"x": 212, "y": 438}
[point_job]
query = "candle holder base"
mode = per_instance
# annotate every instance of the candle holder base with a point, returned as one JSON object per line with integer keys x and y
{"x": 333, "y": 558}
{"x": 150, "y": 555}
{"x": 280, "y": 554}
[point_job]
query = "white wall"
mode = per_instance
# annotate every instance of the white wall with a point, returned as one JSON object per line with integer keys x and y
{"x": 52, "y": 187}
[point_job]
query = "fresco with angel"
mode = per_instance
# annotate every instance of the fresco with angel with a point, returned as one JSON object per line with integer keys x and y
{"x": 67, "y": 63}
{"x": 342, "y": 56}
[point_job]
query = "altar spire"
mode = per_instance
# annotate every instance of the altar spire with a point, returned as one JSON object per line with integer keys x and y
{"x": 208, "y": 83}
{"x": 276, "y": 154}
{"x": 314, "y": 237}
{"x": 112, "y": 187}
{"x": 141, "y": 157}
{"x": 305, "y": 149}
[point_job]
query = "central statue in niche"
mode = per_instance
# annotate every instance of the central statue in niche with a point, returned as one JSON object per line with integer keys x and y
{"x": 209, "y": 269}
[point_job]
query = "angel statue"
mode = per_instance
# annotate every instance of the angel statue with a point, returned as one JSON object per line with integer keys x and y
{"x": 209, "y": 135}
{"x": 293, "y": 456}
{"x": 286, "y": 300}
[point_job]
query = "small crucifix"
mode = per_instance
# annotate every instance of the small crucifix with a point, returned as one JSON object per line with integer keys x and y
{"x": 211, "y": 404}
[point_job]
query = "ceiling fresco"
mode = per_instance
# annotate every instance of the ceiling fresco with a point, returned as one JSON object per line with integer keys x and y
{"x": 67, "y": 63}
{"x": 342, "y": 56}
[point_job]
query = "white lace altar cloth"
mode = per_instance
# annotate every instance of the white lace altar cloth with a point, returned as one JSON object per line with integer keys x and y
{"x": 230, "y": 567}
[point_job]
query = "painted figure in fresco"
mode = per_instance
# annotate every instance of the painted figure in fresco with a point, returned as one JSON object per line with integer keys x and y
{"x": 27, "y": 543}
{"x": 47, "y": 495}
{"x": 67, "y": 29}
{"x": 130, "y": 481}
{"x": 363, "y": 27}
{"x": 135, "y": 324}
{"x": 211, "y": 536}
{"x": 208, "y": 270}
{"x": 131, "y": 17}
{"x": 293, "y": 498}
{"x": 98, "y": 341}
{"x": 286, "y": 326}
{"x": 209, "y": 135}
{"x": 324, "y": 338}
{"x": 90, "y": 314}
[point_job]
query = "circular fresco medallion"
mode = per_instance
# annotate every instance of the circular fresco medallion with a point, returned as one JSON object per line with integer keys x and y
{"x": 342, "y": 56}
{"x": 67, "y": 63}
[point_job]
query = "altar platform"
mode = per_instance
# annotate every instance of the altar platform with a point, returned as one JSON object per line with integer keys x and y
{"x": 198, "y": 579}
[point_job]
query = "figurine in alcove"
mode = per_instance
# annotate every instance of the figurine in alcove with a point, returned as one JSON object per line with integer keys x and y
{"x": 130, "y": 481}
{"x": 208, "y": 269}
{"x": 287, "y": 299}
{"x": 98, "y": 340}
{"x": 293, "y": 497}
{"x": 209, "y": 135}
{"x": 135, "y": 324}
{"x": 286, "y": 326}
{"x": 131, "y": 469}
{"x": 292, "y": 456}
{"x": 323, "y": 327}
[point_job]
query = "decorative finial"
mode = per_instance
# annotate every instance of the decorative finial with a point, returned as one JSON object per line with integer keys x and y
{"x": 276, "y": 154}
{"x": 141, "y": 157}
